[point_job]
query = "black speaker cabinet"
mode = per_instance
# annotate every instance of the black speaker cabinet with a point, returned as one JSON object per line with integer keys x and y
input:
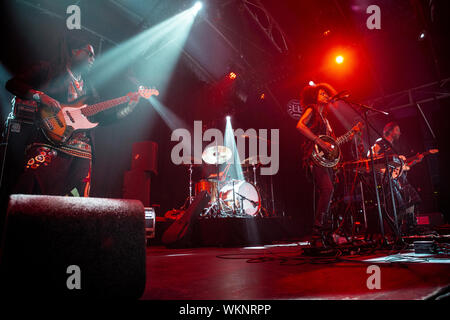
{"x": 73, "y": 247}
{"x": 145, "y": 156}
{"x": 12, "y": 155}
{"x": 13, "y": 145}
{"x": 136, "y": 185}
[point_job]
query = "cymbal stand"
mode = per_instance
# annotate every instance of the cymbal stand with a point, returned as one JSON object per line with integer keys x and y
{"x": 219, "y": 210}
{"x": 190, "y": 184}
{"x": 234, "y": 199}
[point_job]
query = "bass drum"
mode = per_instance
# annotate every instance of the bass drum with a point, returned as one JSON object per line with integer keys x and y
{"x": 245, "y": 195}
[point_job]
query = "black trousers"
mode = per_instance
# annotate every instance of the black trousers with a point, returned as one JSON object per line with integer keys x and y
{"x": 51, "y": 172}
{"x": 324, "y": 187}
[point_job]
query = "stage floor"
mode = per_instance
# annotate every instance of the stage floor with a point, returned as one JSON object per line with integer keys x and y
{"x": 273, "y": 272}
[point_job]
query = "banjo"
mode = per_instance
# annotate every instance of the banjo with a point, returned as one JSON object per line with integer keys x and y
{"x": 327, "y": 159}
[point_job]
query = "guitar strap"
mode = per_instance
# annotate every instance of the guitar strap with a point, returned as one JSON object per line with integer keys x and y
{"x": 327, "y": 125}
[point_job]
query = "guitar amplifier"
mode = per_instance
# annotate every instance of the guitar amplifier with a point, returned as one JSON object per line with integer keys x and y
{"x": 15, "y": 137}
{"x": 431, "y": 219}
{"x": 24, "y": 110}
{"x": 145, "y": 156}
{"x": 14, "y": 141}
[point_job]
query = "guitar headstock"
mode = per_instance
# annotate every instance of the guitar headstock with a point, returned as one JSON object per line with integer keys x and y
{"x": 146, "y": 93}
{"x": 359, "y": 126}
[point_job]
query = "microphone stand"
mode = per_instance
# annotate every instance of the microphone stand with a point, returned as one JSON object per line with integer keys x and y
{"x": 366, "y": 109}
{"x": 254, "y": 203}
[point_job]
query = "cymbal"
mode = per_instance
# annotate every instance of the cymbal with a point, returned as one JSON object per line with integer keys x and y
{"x": 216, "y": 154}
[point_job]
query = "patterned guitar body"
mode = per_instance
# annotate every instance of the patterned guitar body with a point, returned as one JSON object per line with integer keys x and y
{"x": 59, "y": 126}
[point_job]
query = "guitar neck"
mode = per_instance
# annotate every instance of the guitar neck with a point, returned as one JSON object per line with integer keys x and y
{"x": 345, "y": 137}
{"x": 102, "y": 106}
{"x": 415, "y": 159}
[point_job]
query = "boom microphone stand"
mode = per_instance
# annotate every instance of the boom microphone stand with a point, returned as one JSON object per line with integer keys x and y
{"x": 363, "y": 115}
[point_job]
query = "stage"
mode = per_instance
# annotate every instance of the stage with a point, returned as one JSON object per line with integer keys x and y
{"x": 283, "y": 272}
{"x": 166, "y": 151}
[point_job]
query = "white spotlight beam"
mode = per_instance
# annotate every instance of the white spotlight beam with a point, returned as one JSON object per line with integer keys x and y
{"x": 117, "y": 59}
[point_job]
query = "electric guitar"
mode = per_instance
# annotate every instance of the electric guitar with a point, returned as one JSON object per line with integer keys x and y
{"x": 327, "y": 159}
{"x": 58, "y": 126}
{"x": 411, "y": 161}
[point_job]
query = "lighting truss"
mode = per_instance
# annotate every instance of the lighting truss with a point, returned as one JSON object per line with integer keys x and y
{"x": 270, "y": 27}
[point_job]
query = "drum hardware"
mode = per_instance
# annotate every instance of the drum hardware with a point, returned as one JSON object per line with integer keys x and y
{"x": 190, "y": 185}
{"x": 254, "y": 203}
{"x": 216, "y": 155}
{"x": 254, "y": 163}
{"x": 229, "y": 198}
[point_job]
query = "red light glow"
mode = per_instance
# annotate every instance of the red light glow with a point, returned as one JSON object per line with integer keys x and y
{"x": 339, "y": 59}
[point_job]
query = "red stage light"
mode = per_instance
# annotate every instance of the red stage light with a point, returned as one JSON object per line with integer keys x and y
{"x": 232, "y": 75}
{"x": 262, "y": 96}
{"x": 339, "y": 59}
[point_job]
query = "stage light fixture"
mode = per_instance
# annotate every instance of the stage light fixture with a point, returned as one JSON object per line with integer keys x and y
{"x": 232, "y": 75}
{"x": 311, "y": 83}
{"x": 197, "y": 6}
{"x": 422, "y": 36}
{"x": 339, "y": 59}
{"x": 228, "y": 118}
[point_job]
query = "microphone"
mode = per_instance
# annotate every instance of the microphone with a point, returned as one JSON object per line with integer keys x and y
{"x": 339, "y": 96}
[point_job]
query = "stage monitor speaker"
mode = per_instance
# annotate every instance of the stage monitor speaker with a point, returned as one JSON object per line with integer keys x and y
{"x": 73, "y": 247}
{"x": 145, "y": 156}
{"x": 431, "y": 219}
{"x": 178, "y": 234}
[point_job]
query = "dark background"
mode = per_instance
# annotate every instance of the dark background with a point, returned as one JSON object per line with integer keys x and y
{"x": 380, "y": 67}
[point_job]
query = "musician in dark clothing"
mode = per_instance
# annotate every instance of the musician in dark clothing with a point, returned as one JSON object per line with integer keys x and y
{"x": 405, "y": 195}
{"x": 64, "y": 169}
{"x": 313, "y": 122}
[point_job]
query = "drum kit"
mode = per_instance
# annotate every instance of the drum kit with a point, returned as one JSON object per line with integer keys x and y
{"x": 228, "y": 197}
